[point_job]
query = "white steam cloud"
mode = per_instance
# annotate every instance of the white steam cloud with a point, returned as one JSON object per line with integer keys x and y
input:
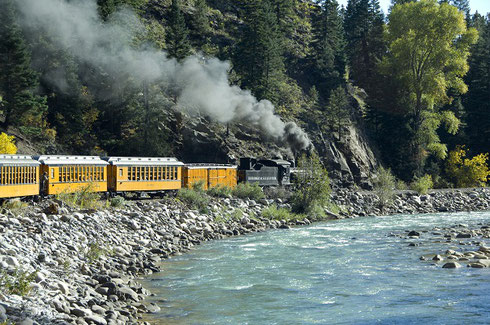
{"x": 202, "y": 87}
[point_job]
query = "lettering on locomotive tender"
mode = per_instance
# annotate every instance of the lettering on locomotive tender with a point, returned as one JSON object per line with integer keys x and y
{"x": 262, "y": 178}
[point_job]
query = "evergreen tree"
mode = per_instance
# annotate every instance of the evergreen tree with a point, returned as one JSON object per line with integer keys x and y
{"x": 477, "y": 100}
{"x": 178, "y": 45}
{"x": 258, "y": 56}
{"x": 338, "y": 111}
{"x": 200, "y": 18}
{"x": 364, "y": 23}
{"x": 329, "y": 46}
{"x": 21, "y": 106}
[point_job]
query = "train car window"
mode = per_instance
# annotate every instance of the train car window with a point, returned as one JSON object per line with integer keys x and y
{"x": 172, "y": 173}
{"x": 176, "y": 172}
{"x": 102, "y": 173}
{"x": 52, "y": 173}
{"x": 24, "y": 175}
{"x": 120, "y": 172}
{"x": 1, "y": 175}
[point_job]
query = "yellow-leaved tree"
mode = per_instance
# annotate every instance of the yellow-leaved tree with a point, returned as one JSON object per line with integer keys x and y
{"x": 7, "y": 145}
{"x": 429, "y": 44}
{"x": 467, "y": 172}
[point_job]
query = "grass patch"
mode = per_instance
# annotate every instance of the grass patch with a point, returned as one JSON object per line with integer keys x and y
{"x": 15, "y": 206}
{"x": 220, "y": 191}
{"x": 17, "y": 283}
{"x": 274, "y": 213}
{"x": 84, "y": 198}
{"x": 193, "y": 199}
{"x": 248, "y": 191}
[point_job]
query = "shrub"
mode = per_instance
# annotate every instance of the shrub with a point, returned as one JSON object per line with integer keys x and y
{"x": 117, "y": 202}
{"x": 84, "y": 198}
{"x": 312, "y": 185}
{"x": 467, "y": 172}
{"x": 248, "y": 191}
{"x": 17, "y": 283}
{"x": 15, "y": 206}
{"x": 7, "y": 145}
{"x": 384, "y": 186}
{"x": 198, "y": 186}
{"x": 275, "y": 213}
{"x": 401, "y": 185}
{"x": 422, "y": 184}
{"x": 219, "y": 191}
{"x": 194, "y": 199}
{"x": 94, "y": 252}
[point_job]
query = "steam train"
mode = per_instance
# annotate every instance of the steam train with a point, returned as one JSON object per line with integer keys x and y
{"x": 24, "y": 176}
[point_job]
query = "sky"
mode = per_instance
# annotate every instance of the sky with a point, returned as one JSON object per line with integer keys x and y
{"x": 482, "y": 6}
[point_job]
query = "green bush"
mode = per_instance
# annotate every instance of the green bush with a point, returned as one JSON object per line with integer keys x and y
{"x": 17, "y": 283}
{"x": 94, "y": 252}
{"x": 194, "y": 199}
{"x": 384, "y": 186}
{"x": 220, "y": 191}
{"x": 274, "y": 213}
{"x": 312, "y": 186}
{"x": 248, "y": 191}
{"x": 15, "y": 206}
{"x": 422, "y": 184}
{"x": 84, "y": 198}
{"x": 117, "y": 202}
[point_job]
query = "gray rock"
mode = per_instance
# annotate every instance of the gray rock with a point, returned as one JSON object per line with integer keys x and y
{"x": 463, "y": 235}
{"x": 128, "y": 293}
{"x": 413, "y": 233}
{"x": 81, "y": 312}
{"x": 12, "y": 261}
{"x": 27, "y": 321}
{"x": 95, "y": 319}
{"x": 451, "y": 265}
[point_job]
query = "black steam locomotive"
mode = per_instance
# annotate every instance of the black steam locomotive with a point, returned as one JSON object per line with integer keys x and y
{"x": 265, "y": 172}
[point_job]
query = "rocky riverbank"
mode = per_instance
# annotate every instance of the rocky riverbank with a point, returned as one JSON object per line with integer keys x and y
{"x": 80, "y": 267}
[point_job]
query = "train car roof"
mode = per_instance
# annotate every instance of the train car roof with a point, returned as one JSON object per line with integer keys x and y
{"x": 143, "y": 161}
{"x": 70, "y": 160}
{"x": 208, "y": 166}
{"x": 24, "y": 160}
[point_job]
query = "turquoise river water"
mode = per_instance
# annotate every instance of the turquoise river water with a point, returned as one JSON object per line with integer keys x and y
{"x": 342, "y": 272}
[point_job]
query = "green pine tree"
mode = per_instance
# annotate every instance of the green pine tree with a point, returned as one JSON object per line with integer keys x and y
{"x": 328, "y": 48}
{"x": 178, "y": 44}
{"x": 338, "y": 111}
{"x": 477, "y": 100}
{"x": 364, "y": 24}
{"x": 21, "y": 106}
{"x": 200, "y": 20}
{"x": 258, "y": 56}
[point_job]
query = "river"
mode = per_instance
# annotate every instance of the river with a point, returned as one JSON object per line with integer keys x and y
{"x": 342, "y": 272}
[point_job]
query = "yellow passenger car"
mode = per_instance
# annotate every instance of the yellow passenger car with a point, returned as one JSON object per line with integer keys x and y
{"x": 210, "y": 175}
{"x": 67, "y": 174}
{"x": 19, "y": 176}
{"x": 135, "y": 174}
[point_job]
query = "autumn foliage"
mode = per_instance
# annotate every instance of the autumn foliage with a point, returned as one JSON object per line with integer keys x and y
{"x": 467, "y": 172}
{"x": 7, "y": 145}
